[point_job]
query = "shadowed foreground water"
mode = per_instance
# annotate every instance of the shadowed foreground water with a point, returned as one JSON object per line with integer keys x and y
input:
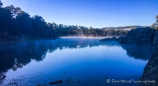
{"x": 76, "y": 61}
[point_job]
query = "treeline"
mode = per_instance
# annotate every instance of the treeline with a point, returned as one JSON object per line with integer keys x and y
{"x": 64, "y": 30}
{"x": 16, "y": 24}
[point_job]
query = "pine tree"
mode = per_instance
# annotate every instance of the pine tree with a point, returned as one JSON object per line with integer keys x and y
{"x": 1, "y": 4}
{"x": 157, "y": 17}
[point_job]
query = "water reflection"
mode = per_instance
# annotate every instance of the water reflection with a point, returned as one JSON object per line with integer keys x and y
{"x": 20, "y": 54}
{"x": 142, "y": 52}
{"x": 17, "y": 55}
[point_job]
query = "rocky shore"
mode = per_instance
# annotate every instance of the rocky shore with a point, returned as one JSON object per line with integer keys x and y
{"x": 143, "y": 36}
{"x": 137, "y": 36}
{"x": 151, "y": 70}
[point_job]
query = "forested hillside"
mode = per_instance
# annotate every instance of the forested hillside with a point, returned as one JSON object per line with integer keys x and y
{"x": 17, "y": 25}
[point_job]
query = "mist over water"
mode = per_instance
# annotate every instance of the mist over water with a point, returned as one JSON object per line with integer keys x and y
{"x": 92, "y": 37}
{"x": 76, "y": 61}
{"x": 89, "y": 37}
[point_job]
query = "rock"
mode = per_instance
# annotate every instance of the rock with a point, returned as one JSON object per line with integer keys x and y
{"x": 155, "y": 41}
{"x": 120, "y": 39}
{"x": 56, "y": 82}
{"x": 106, "y": 39}
{"x": 129, "y": 39}
{"x": 109, "y": 39}
{"x": 139, "y": 36}
{"x": 151, "y": 69}
{"x": 114, "y": 39}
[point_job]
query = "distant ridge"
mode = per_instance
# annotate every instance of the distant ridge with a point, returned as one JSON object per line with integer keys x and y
{"x": 125, "y": 27}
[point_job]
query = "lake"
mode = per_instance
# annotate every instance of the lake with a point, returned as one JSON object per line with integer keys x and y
{"x": 76, "y": 61}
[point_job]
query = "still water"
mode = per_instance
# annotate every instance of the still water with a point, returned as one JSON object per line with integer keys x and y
{"x": 76, "y": 61}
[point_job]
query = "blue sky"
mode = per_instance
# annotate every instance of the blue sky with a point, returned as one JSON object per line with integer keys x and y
{"x": 95, "y": 13}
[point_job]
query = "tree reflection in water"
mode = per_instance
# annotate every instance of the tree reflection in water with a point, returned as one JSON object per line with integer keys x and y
{"x": 17, "y": 55}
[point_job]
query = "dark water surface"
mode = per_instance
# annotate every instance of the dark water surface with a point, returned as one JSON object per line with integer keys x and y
{"x": 76, "y": 61}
